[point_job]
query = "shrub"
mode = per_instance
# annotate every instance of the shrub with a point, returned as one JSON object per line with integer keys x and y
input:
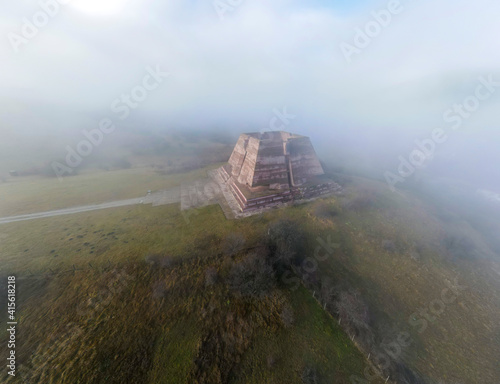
{"x": 286, "y": 244}
{"x": 460, "y": 246}
{"x": 325, "y": 211}
{"x": 211, "y": 276}
{"x": 354, "y": 314}
{"x": 252, "y": 277}
{"x": 328, "y": 292}
{"x": 233, "y": 243}
{"x": 389, "y": 246}
{"x": 310, "y": 376}
{"x": 365, "y": 200}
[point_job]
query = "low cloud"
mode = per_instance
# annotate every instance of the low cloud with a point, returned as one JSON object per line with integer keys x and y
{"x": 263, "y": 55}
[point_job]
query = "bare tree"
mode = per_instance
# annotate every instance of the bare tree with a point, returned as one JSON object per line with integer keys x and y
{"x": 354, "y": 314}
{"x": 328, "y": 293}
{"x": 252, "y": 277}
{"x": 233, "y": 243}
{"x": 286, "y": 243}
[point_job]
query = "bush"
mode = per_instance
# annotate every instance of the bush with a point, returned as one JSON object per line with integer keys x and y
{"x": 354, "y": 314}
{"x": 211, "y": 276}
{"x": 328, "y": 293}
{"x": 365, "y": 200}
{"x": 389, "y": 246}
{"x": 252, "y": 277}
{"x": 310, "y": 376}
{"x": 233, "y": 243}
{"x": 204, "y": 244}
{"x": 325, "y": 211}
{"x": 286, "y": 243}
{"x": 460, "y": 246}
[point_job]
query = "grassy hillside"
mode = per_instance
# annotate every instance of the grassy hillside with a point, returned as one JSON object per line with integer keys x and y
{"x": 38, "y": 194}
{"x": 173, "y": 314}
{"x": 402, "y": 253}
{"x": 139, "y": 308}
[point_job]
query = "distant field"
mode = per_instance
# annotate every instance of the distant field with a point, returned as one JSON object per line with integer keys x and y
{"x": 126, "y": 167}
{"x": 36, "y": 194}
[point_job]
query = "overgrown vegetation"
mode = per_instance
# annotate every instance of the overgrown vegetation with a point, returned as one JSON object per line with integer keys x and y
{"x": 193, "y": 314}
{"x": 211, "y": 299}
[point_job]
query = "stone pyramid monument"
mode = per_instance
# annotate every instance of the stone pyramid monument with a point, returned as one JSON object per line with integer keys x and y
{"x": 272, "y": 168}
{"x": 273, "y": 158}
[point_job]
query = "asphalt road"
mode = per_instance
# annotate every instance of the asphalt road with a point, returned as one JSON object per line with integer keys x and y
{"x": 164, "y": 197}
{"x": 69, "y": 211}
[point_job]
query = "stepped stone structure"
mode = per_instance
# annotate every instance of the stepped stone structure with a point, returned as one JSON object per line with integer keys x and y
{"x": 272, "y": 168}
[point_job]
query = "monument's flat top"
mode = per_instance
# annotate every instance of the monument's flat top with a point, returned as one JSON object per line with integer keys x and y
{"x": 273, "y": 135}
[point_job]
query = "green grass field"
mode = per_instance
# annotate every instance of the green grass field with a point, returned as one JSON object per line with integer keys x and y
{"x": 164, "y": 325}
{"x": 169, "y": 327}
{"x": 39, "y": 194}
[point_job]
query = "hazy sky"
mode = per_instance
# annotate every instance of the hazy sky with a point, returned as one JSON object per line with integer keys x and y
{"x": 263, "y": 55}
